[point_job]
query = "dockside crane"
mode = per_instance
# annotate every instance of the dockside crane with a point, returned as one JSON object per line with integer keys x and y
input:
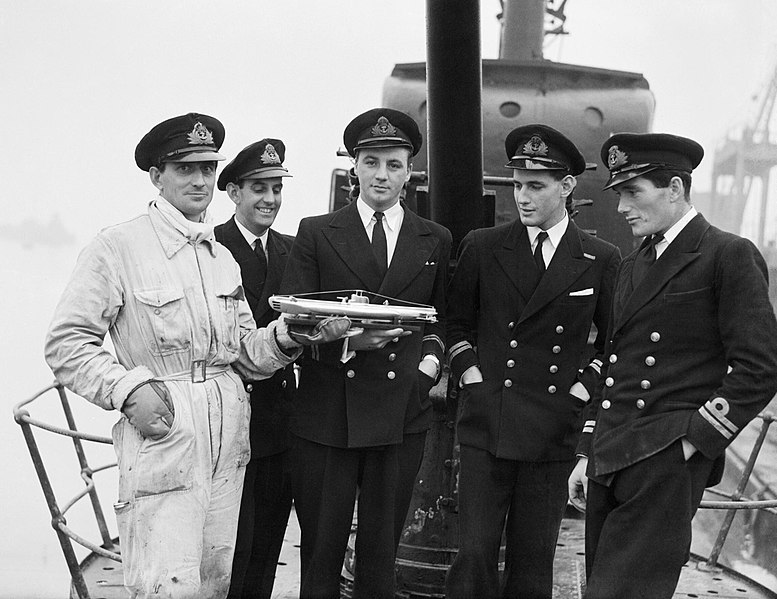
{"x": 739, "y": 161}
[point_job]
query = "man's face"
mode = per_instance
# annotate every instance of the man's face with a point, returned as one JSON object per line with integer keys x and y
{"x": 382, "y": 172}
{"x": 257, "y": 202}
{"x": 648, "y": 209}
{"x": 540, "y": 198}
{"x": 186, "y": 185}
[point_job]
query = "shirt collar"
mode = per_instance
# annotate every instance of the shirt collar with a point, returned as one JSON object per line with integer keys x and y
{"x": 673, "y": 231}
{"x": 555, "y": 233}
{"x": 250, "y": 237}
{"x": 171, "y": 239}
{"x": 390, "y": 217}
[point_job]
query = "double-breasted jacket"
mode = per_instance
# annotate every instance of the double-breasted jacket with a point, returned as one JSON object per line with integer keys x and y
{"x": 530, "y": 344}
{"x": 365, "y": 401}
{"x": 691, "y": 352}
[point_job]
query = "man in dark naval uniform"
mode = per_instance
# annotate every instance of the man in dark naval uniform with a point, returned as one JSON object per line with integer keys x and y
{"x": 691, "y": 359}
{"x": 520, "y": 308}
{"x": 354, "y": 395}
{"x": 253, "y": 181}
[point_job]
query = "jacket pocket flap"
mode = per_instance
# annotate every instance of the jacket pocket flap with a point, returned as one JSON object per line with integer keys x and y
{"x": 158, "y": 297}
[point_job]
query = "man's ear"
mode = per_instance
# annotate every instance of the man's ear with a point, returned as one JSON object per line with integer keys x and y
{"x": 676, "y": 189}
{"x": 568, "y": 184}
{"x": 232, "y": 191}
{"x": 155, "y": 175}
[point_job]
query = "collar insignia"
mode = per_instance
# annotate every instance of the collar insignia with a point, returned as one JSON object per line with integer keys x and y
{"x": 383, "y": 127}
{"x": 616, "y": 158}
{"x": 200, "y": 135}
{"x": 270, "y": 156}
{"x": 535, "y": 147}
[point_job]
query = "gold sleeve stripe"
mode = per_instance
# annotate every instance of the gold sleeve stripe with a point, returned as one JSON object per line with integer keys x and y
{"x": 715, "y": 412}
{"x": 436, "y": 339}
{"x": 458, "y": 348}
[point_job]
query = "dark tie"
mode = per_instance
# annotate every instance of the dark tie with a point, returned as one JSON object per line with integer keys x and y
{"x": 379, "y": 246}
{"x": 645, "y": 258}
{"x": 262, "y": 258}
{"x": 538, "y": 259}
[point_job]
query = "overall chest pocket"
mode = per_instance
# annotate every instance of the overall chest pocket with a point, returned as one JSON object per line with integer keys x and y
{"x": 228, "y": 298}
{"x": 162, "y": 319}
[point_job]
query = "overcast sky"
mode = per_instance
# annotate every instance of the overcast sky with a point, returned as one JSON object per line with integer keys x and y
{"x": 83, "y": 80}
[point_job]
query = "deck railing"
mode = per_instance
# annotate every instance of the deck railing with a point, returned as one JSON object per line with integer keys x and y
{"x": 736, "y": 500}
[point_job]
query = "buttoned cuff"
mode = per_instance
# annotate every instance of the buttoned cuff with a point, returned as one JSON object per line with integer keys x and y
{"x": 122, "y": 388}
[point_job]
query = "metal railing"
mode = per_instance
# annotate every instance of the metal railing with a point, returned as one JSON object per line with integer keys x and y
{"x": 735, "y": 501}
{"x": 732, "y": 502}
{"x": 58, "y": 522}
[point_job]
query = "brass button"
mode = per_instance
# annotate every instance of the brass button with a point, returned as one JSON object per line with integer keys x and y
{"x": 655, "y": 337}
{"x": 510, "y": 325}
{"x": 556, "y": 349}
{"x": 553, "y": 369}
{"x": 613, "y": 358}
{"x": 350, "y": 374}
{"x": 508, "y": 383}
{"x": 249, "y": 387}
{"x": 650, "y": 361}
{"x": 552, "y": 389}
{"x": 157, "y": 311}
{"x": 640, "y": 404}
{"x": 609, "y": 381}
{"x": 513, "y": 344}
{"x": 392, "y": 357}
{"x": 391, "y": 375}
{"x": 606, "y": 404}
{"x": 510, "y": 363}
{"x": 559, "y": 329}
{"x": 645, "y": 384}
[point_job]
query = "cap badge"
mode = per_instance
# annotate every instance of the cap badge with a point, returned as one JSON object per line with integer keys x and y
{"x": 383, "y": 127}
{"x": 535, "y": 147}
{"x": 616, "y": 158}
{"x": 270, "y": 156}
{"x": 200, "y": 135}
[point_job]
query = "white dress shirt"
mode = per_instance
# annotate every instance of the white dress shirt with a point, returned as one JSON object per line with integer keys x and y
{"x": 392, "y": 223}
{"x": 674, "y": 231}
{"x": 251, "y": 238}
{"x": 555, "y": 233}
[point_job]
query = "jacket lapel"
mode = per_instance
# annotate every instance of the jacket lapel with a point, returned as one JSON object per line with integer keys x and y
{"x": 415, "y": 245}
{"x": 244, "y": 255}
{"x": 349, "y": 240}
{"x": 681, "y": 252}
{"x": 516, "y": 260}
{"x": 276, "y": 264}
{"x": 567, "y": 265}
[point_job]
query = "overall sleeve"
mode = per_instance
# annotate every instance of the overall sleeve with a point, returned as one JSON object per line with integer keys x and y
{"x": 90, "y": 304}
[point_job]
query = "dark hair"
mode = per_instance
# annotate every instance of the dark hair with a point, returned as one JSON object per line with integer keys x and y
{"x": 663, "y": 176}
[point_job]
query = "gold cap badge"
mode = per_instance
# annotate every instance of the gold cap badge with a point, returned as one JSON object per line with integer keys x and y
{"x": 535, "y": 147}
{"x": 383, "y": 127}
{"x": 616, "y": 158}
{"x": 200, "y": 135}
{"x": 270, "y": 156}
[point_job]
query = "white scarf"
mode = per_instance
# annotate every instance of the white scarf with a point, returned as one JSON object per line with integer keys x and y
{"x": 194, "y": 232}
